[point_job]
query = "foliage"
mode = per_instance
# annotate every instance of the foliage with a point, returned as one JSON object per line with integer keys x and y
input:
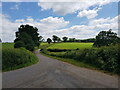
{"x": 65, "y": 39}
{"x": 19, "y": 44}
{"x": 0, "y": 40}
{"x": 16, "y": 58}
{"x": 29, "y": 36}
{"x": 58, "y": 39}
{"x": 71, "y": 40}
{"x": 55, "y": 38}
{"x": 104, "y": 58}
{"x": 49, "y": 40}
{"x": 106, "y": 38}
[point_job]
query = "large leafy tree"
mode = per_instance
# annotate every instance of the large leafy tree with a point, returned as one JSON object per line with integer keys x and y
{"x": 106, "y": 38}
{"x": 27, "y": 36}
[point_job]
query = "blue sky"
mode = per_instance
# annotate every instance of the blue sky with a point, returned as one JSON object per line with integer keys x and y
{"x": 78, "y": 20}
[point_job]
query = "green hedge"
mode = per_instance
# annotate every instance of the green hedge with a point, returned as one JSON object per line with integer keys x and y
{"x": 104, "y": 58}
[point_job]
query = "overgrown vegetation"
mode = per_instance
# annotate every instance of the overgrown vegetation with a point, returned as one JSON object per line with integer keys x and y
{"x": 16, "y": 58}
{"x": 103, "y": 58}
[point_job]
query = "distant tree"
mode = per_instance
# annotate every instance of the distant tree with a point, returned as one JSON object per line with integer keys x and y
{"x": 28, "y": 35}
{"x": 71, "y": 39}
{"x": 41, "y": 39}
{"x": 58, "y": 39}
{"x": 65, "y": 39}
{"x": 0, "y": 40}
{"x": 49, "y": 40}
{"x": 106, "y": 38}
{"x": 54, "y": 37}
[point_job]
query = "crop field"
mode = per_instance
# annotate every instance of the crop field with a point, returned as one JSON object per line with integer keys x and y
{"x": 70, "y": 45}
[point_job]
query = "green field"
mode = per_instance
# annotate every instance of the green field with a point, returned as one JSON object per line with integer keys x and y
{"x": 44, "y": 43}
{"x": 70, "y": 45}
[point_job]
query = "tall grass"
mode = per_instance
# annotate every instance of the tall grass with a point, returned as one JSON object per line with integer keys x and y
{"x": 16, "y": 58}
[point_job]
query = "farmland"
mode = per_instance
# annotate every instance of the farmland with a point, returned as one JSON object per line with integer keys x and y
{"x": 70, "y": 46}
{"x": 16, "y": 58}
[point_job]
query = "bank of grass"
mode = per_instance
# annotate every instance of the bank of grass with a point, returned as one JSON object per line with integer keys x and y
{"x": 104, "y": 58}
{"x": 16, "y": 58}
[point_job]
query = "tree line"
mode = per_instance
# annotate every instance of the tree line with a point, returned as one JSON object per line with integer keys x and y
{"x": 28, "y": 37}
{"x": 66, "y": 39}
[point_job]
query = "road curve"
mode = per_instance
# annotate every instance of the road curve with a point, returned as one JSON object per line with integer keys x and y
{"x": 50, "y": 73}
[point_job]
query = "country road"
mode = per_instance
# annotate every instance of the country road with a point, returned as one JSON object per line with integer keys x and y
{"x": 50, "y": 73}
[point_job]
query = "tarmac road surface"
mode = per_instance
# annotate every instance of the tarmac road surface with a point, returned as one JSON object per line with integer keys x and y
{"x": 50, "y": 73}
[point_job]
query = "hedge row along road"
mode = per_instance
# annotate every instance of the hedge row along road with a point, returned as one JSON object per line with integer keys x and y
{"x": 50, "y": 73}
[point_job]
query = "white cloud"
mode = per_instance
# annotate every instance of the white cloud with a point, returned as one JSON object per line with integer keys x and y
{"x": 8, "y": 28}
{"x": 46, "y": 25}
{"x": 72, "y": 6}
{"x": 105, "y": 24}
{"x": 52, "y": 25}
{"x": 88, "y": 13}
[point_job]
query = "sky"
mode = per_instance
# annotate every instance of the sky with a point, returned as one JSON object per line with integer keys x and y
{"x": 81, "y": 20}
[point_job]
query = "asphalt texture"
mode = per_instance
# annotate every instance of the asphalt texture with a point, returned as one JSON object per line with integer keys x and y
{"x": 51, "y": 73}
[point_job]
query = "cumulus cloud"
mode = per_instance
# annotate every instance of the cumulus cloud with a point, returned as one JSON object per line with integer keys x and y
{"x": 48, "y": 25}
{"x": 8, "y": 28}
{"x": 53, "y": 26}
{"x": 89, "y": 13}
{"x": 105, "y": 23}
{"x": 72, "y": 6}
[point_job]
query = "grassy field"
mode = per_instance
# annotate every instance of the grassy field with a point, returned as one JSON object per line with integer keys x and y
{"x": 70, "y": 45}
{"x": 44, "y": 43}
{"x": 16, "y": 58}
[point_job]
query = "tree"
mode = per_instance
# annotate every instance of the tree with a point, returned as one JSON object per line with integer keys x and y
{"x": 58, "y": 39}
{"x": 49, "y": 40}
{"x": 0, "y": 40}
{"x": 106, "y": 38}
{"x": 19, "y": 44}
{"x": 65, "y": 39}
{"x": 71, "y": 39}
{"x": 41, "y": 39}
{"x": 28, "y": 35}
{"x": 54, "y": 37}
